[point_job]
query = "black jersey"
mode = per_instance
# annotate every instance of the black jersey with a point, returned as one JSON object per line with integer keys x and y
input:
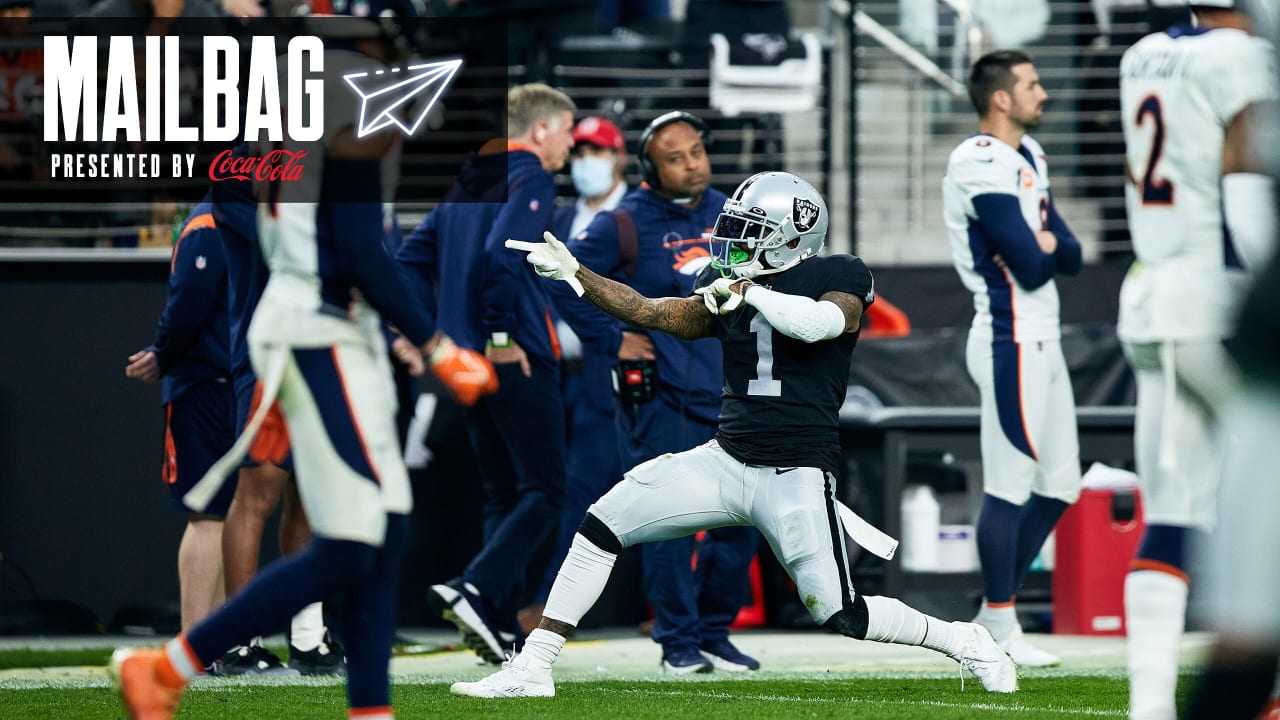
{"x": 782, "y": 396}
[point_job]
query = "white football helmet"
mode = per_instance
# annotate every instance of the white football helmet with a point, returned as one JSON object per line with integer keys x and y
{"x": 773, "y": 221}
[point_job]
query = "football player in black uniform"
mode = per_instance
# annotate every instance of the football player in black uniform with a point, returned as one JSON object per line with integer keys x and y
{"x": 788, "y": 320}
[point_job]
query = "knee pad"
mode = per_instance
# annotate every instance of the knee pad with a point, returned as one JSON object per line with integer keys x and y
{"x": 798, "y": 529}
{"x": 338, "y": 562}
{"x": 594, "y": 530}
{"x": 851, "y": 621}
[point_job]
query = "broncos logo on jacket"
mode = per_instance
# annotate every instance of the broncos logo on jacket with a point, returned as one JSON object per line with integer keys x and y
{"x": 691, "y": 260}
{"x": 689, "y": 255}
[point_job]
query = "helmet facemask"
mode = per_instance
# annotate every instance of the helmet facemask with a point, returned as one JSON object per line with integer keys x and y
{"x": 743, "y": 236}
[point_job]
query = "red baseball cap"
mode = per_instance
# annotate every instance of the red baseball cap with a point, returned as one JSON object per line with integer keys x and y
{"x": 599, "y": 132}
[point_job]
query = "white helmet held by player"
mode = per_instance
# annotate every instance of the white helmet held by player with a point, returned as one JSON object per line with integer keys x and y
{"x": 772, "y": 221}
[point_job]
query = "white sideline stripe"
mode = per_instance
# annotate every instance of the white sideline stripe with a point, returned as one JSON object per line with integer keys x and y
{"x": 1091, "y": 712}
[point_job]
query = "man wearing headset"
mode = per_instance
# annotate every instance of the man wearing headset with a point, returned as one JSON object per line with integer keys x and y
{"x": 656, "y": 242}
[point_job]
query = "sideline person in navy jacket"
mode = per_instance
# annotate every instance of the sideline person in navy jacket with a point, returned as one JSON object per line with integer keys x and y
{"x": 592, "y": 462}
{"x": 488, "y": 298}
{"x": 191, "y": 356}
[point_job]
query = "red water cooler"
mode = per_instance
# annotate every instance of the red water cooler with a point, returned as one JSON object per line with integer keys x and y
{"x": 1097, "y": 538}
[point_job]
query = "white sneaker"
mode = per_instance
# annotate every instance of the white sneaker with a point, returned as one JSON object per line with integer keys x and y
{"x": 980, "y": 655}
{"x": 514, "y": 680}
{"x": 1024, "y": 654}
{"x": 1009, "y": 637}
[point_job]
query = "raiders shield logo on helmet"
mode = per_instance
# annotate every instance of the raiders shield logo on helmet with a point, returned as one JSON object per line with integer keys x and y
{"x": 804, "y": 213}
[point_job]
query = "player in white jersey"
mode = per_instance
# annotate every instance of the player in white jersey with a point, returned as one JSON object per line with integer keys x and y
{"x": 1196, "y": 216}
{"x": 1008, "y": 242}
{"x": 316, "y": 344}
{"x": 1242, "y": 595}
{"x": 1185, "y": 93}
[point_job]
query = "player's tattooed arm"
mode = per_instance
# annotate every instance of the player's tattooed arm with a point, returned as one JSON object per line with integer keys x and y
{"x": 685, "y": 318}
{"x": 850, "y": 305}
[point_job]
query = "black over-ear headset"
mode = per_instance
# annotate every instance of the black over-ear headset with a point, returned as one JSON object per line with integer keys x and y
{"x": 648, "y": 168}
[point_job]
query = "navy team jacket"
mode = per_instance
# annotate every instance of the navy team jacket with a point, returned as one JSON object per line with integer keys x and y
{"x": 192, "y": 339}
{"x": 457, "y": 265}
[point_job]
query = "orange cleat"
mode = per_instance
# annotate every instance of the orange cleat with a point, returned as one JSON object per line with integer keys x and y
{"x": 145, "y": 696}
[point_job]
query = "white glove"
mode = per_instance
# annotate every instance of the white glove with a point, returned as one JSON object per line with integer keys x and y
{"x": 719, "y": 296}
{"x": 551, "y": 260}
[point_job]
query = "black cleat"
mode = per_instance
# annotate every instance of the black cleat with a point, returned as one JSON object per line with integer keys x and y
{"x": 327, "y": 658}
{"x": 460, "y": 603}
{"x": 250, "y": 660}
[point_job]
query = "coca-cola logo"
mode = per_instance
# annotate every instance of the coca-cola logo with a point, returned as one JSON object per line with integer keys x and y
{"x": 275, "y": 166}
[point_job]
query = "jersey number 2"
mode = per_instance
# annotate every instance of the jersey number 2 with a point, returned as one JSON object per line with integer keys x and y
{"x": 763, "y": 383}
{"x": 1154, "y": 191}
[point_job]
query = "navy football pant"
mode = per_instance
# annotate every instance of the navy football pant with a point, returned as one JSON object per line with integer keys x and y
{"x": 518, "y": 436}
{"x": 367, "y": 577}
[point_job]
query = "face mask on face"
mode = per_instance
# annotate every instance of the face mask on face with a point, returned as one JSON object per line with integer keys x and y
{"x": 592, "y": 176}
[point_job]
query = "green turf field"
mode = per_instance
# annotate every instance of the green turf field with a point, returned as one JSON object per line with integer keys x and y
{"x": 616, "y": 680}
{"x": 865, "y": 697}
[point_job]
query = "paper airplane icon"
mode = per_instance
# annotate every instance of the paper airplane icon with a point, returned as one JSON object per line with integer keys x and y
{"x": 389, "y": 97}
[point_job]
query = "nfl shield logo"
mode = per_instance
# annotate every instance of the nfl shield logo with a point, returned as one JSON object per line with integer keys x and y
{"x": 201, "y": 263}
{"x": 804, "y": 214}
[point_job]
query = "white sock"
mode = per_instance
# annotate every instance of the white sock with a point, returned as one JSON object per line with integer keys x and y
{"x": 890, "y": 620}
{"x": 893, "y": 621}
{"x": 307, "y": 629}
{"x": 942, "y": 636}
{"x": 183, "y": 658}
{"x": 541, "y": 649}
{"x": 581, "y": 579}
{"x": 1001, "y": 621}
{"x": 1155, "y": 607}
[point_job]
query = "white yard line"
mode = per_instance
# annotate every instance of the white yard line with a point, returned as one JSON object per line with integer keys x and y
{"x": 1089, "y": 712}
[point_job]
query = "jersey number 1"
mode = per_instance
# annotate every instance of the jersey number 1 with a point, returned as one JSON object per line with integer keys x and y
{"x": 763, "y": 383}
{"x": 1154, "y": 191}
